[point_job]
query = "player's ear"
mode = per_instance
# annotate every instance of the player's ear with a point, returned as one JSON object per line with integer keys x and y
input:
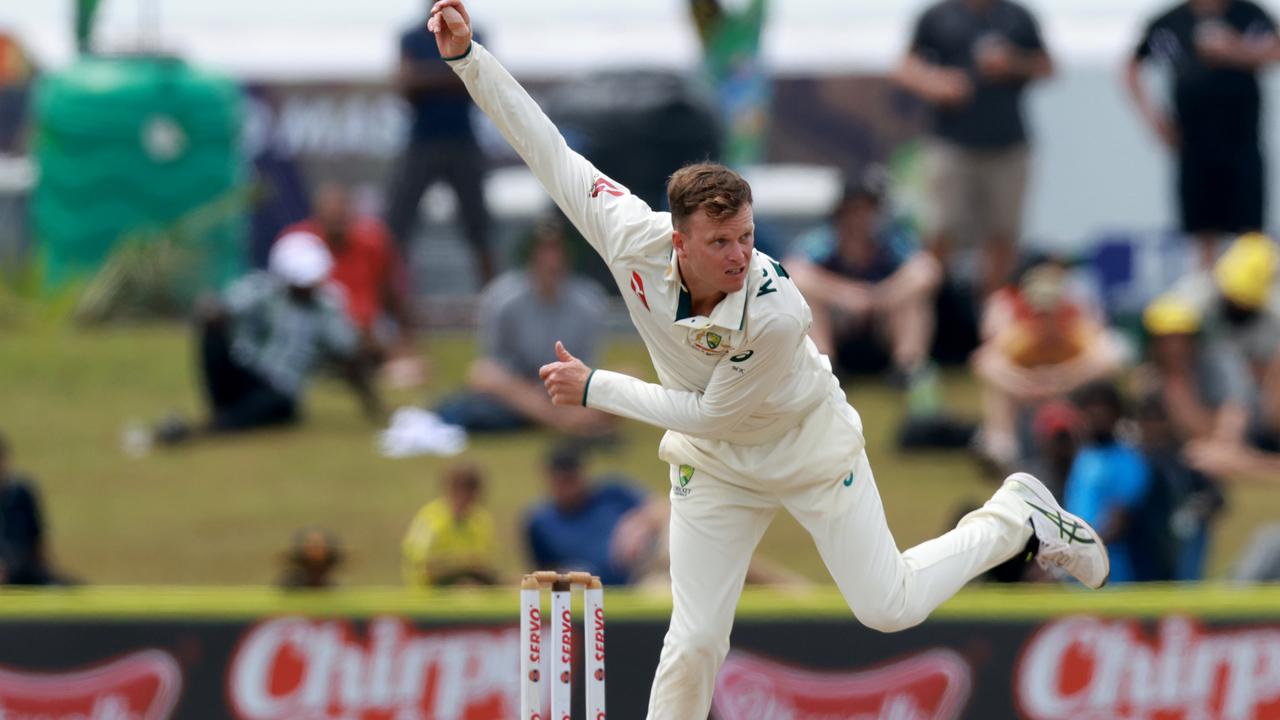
{"x": 678, "y": 240}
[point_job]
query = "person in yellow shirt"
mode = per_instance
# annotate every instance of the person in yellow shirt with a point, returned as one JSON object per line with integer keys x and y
{"x": 451, "y": 539}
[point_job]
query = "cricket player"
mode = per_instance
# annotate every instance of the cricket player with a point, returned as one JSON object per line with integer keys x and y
{"x": 755, "y": 419}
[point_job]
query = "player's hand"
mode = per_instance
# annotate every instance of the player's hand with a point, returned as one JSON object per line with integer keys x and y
{"x": 566, "y": 379}
{"x": 452, "y": 27}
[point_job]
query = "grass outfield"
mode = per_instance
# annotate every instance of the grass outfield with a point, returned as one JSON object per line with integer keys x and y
{"x": 222, "y": 512}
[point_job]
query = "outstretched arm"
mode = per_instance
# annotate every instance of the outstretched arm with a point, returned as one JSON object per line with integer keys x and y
{"x": 606, "y": 214}
{"x": 740, "y": 383}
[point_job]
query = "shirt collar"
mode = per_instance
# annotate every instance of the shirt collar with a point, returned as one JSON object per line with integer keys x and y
{"x": 730, "y": 313}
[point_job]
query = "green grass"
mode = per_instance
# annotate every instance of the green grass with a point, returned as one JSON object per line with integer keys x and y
{"x": 221, "y": 512}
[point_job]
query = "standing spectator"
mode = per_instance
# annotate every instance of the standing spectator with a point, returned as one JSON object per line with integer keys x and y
{"x": 970, "y": 61}
{"x": 607, "y": 527}
{"x": 1109, "y": 480}
{"x": 1056, "y": 430}
{"x": 368, "y": 268}
{"x": 1212, "y": 51}
{"x": 311, "y": 561}
{"x": 1215, "y": 349}
{"x": 735, "y": 69}
{"x": 522, "y": 315}
{"x": 868, "y": 286}
{"x": 267, "y": 336}
{"x": 441, "y": 146}
{"x": 23, "y": 560}
{"x": 451, "y": 539}
{"x": 1045, "y": 348}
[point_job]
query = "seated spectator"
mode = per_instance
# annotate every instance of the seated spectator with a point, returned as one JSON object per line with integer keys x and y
{"x": 369, "y": 270}
{"x": 1109, "y": 480}
{"x": 23, "y": 560}
{"x": 1183, "y": 502}
{"x": 451, "y": 539}
{"x": 1046, "y": 349}
{"x": 1215, "y": 352}
{"x": 607, "y": 527}
{"x": 522, "y": 315}
{"x": 266, "y": 337}
{"x": 310, "y": 562}
{"x": 870, "y": 288}
{"x": 1056, "y": 430}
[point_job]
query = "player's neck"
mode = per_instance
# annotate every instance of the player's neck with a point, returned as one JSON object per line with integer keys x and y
{"x": 702, "y": 299}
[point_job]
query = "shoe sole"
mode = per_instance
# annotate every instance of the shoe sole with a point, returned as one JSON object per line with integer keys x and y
{"x": 1042, "y": 493}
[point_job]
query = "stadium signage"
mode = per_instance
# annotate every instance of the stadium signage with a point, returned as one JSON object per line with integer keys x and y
{"x": 933, "y": 685}
{"x": 294, "y": 667}
{"x": 1087, "y": 667}
{"x": 144, "y": 685}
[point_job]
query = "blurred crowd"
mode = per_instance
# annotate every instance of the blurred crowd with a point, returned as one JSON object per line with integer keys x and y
{"x": 1141, "y": 426}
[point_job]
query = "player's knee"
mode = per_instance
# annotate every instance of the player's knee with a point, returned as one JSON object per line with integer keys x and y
{"x": 888, "y": 620}
{"x": 698, "y": 648}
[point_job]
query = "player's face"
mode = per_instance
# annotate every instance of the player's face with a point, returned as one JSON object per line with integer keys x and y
{"x": 714, "y": 254}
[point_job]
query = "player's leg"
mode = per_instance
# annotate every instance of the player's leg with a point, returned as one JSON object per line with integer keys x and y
{"x": 715, "y": 528}
{"x": 888, "y": 590}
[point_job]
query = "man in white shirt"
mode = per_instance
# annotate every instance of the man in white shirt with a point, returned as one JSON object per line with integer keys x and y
{"x": 755, "y": 419}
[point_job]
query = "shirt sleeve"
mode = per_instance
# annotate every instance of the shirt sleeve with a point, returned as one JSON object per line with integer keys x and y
{"x": 606, "y": 213}
{"x": 740, "y": 382}
{"x": 1144, "y": 48}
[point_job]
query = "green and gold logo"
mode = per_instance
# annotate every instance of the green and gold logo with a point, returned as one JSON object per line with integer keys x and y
{"x": 686, "y": 474}
{"x": 713, "y": 340}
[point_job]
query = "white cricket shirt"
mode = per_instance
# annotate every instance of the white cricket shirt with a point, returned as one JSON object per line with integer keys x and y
{"x": 746, "y": 374}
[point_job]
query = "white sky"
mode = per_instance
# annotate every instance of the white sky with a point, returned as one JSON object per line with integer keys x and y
{"x": 353, "y": 39}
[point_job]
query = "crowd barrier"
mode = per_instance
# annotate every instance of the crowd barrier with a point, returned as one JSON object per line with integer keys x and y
{"x": 1173, "y": 653}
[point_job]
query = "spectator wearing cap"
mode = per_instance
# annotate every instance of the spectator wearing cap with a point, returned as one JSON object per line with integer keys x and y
{"x": 1057, "y": 430}
{"x": 368, "y": 269}
{"x": 870, "y": 288}
{"x": 1045, "y": 349}
{"x": 1109, "y": 480}
{"x": 1215, "y": 351}
{"x": 605, "y": 527}
{"x": 264, "y": 339}
{"x": 521, "y": 316}
{"x": 451, "y": 540}
{"x": 311, "y": 560}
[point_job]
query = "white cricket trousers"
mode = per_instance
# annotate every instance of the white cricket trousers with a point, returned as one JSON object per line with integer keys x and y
{"x": 819, "y": 472}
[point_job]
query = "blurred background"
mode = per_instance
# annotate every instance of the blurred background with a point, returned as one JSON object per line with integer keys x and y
{"x": 273, "y": 296}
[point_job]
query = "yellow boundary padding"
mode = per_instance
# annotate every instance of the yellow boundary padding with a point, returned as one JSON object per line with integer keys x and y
{"x": 501, "y": 604}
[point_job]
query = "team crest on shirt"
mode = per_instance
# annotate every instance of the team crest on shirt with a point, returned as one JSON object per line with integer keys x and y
{"x": 708, "y": 341}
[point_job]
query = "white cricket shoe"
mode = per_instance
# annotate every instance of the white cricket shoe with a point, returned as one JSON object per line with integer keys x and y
{"x": 1066, "y": 541}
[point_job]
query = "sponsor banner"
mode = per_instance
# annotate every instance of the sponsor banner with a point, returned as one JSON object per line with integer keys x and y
{"x": 393, "y": 668}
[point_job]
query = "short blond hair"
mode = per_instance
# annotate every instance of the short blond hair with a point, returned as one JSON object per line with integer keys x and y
{"x": 710, "y": 187}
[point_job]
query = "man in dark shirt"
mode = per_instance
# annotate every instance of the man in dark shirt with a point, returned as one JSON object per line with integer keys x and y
{"x": 1213, "y": 50}
{"x": 441, "y": 146}
{"x": 22, "y": 556}
{"x": 970, "y": 61}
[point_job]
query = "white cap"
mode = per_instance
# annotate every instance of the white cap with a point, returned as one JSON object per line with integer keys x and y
{"x": 300, "y": 259}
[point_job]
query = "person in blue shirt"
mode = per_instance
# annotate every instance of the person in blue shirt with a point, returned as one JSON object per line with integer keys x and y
{"x": 607, "y": 527}
{"x": 1109, "y": 480}
{"x": 441, "y": 147}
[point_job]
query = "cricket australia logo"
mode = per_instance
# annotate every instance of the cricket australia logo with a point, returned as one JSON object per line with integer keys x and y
{"x": 686, "y": 474}
{"x": 708, "y": 342}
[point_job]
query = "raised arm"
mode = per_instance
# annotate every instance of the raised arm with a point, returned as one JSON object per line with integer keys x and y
{"x": 606, "y": 214}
